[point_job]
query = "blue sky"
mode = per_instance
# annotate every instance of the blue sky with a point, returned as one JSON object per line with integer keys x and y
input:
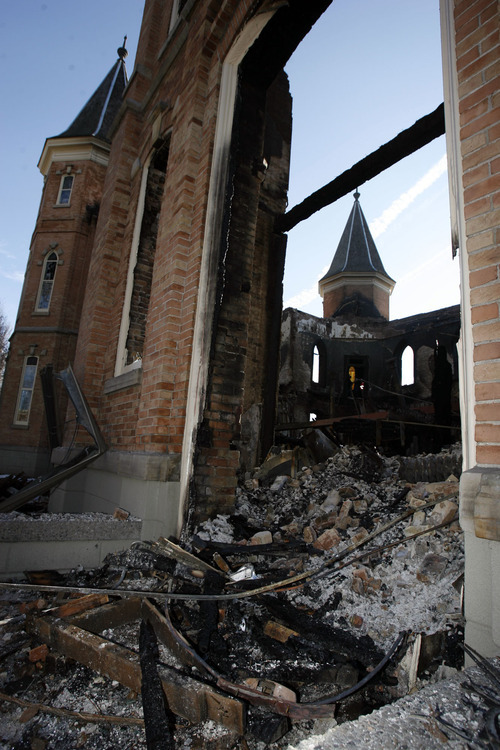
{"x": 368, "y": 69}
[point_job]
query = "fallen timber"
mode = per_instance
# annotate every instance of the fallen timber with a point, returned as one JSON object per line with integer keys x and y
{"x": 189, "y": 698}
{"x": 186, "y": 697}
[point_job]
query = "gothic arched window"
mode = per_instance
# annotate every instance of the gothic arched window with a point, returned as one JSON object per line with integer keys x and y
{"x": 47, "y": 282}
{"x": 407, "y": 366}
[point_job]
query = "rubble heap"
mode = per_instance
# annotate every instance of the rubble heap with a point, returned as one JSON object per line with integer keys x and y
{"x": 334, "y": 588}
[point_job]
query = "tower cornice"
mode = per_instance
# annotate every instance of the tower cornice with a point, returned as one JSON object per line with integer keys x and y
{"x": 86, "y": 148}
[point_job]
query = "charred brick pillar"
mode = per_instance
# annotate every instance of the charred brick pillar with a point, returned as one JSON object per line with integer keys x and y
{"x": 241, "y": 393}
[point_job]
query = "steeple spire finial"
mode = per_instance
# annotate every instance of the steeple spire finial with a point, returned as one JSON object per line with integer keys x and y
{"x": 356, "y": 195}
{"x": 122, "y": 52}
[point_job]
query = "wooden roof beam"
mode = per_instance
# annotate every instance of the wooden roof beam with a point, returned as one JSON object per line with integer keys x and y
{"x": 407, "y": 142}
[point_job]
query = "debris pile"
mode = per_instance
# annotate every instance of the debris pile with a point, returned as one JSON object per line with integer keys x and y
{"x": 332, "y": 590}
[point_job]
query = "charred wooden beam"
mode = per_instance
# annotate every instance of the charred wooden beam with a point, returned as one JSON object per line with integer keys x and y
{"x": 407, "y": 142}
{"x": 110, "y": 616}
{"x": 186, "y": 697}
{"x": 158, "y": 734}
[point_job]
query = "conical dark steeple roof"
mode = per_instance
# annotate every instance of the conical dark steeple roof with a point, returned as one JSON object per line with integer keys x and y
{"x": 97, "y": 115}
{"x": 356, "y": 252}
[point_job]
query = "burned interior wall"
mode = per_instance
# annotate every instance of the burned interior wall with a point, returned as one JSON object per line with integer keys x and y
{"x": 360, "y": 365}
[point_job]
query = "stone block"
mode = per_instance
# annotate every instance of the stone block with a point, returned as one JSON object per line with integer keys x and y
{"x": 443, "y": 512}
{"x": 327, "y": 540}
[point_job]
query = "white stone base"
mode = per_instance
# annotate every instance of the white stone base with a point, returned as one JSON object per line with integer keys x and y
{"x": 155, "y": 502}
{"x": 479, "y": 511}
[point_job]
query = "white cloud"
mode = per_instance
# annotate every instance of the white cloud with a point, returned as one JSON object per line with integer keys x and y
{"x": 306, "y": 296}
{"x": 16, "y": 276}
{"x": 379, "y": 225}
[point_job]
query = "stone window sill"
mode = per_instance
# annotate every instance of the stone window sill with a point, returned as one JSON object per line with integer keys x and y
{"x": 125, "y": 380}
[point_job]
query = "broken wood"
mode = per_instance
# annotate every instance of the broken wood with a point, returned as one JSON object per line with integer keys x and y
{"x": 65, "y": 713}
{"x": 407, "y": 142}
{"x": 112, "y": 615}
{"x": 75, "y": 606}
{"x": 186, "y": 697}
{"x": 158, "y": 735}
{"x": 279, "y": 632}
{"x": 39, "y": 653}
{"x": 173, "y": 551}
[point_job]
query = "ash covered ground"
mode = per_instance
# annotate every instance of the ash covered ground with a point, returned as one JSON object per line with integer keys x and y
{"x": 369, "y": 558}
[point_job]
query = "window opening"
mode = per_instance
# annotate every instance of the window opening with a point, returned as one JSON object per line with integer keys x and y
{"x": 357, "y": 372}
{"x": 352, "y": 376}
{"x": 47, "y": 282}
{"x": 136, "y": 306}
{"x": 177, "y": 7}
{"x": 65, "y": 190}
{"x": 315, "y": 365}
{"x": 25, "y": 396}
{"x": 407, "y": 366}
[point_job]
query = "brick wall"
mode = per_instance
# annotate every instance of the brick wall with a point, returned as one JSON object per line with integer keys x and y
{"x": 478, "y": 67}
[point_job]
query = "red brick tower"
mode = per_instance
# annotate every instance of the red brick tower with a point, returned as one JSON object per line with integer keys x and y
{"x": 73, "y": 165}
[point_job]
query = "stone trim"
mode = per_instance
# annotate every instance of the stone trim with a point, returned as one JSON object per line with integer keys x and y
{"x": 480, "y": 502}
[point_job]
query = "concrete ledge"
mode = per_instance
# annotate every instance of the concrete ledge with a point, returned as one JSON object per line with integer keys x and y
{"x": 14, "y": 527}
{"x": 61, "y": 541}
{"x": 97, "y": 490}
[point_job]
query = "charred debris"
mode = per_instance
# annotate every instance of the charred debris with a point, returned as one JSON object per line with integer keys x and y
{"x": 335, "y": 588}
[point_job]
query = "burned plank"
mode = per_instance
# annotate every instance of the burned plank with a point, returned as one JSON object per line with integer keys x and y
{"x": 110, "y": 615}
{"x": 173, "y": 551}
{"x": 158, "y": 734}
{"x": 83, "y": 603}
{"x": 407, "y": 142}
{"x": 186, "y": 697}
{"x": 292, "y": 547}
{"x": 81, "y": 716}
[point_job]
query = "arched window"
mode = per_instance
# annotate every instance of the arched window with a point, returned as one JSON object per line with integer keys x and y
{"x": 315, "y": 365}
{"x": 26, "y": 387}
{"x": 47, "y": 282}
{"x": 407, "y": 366}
